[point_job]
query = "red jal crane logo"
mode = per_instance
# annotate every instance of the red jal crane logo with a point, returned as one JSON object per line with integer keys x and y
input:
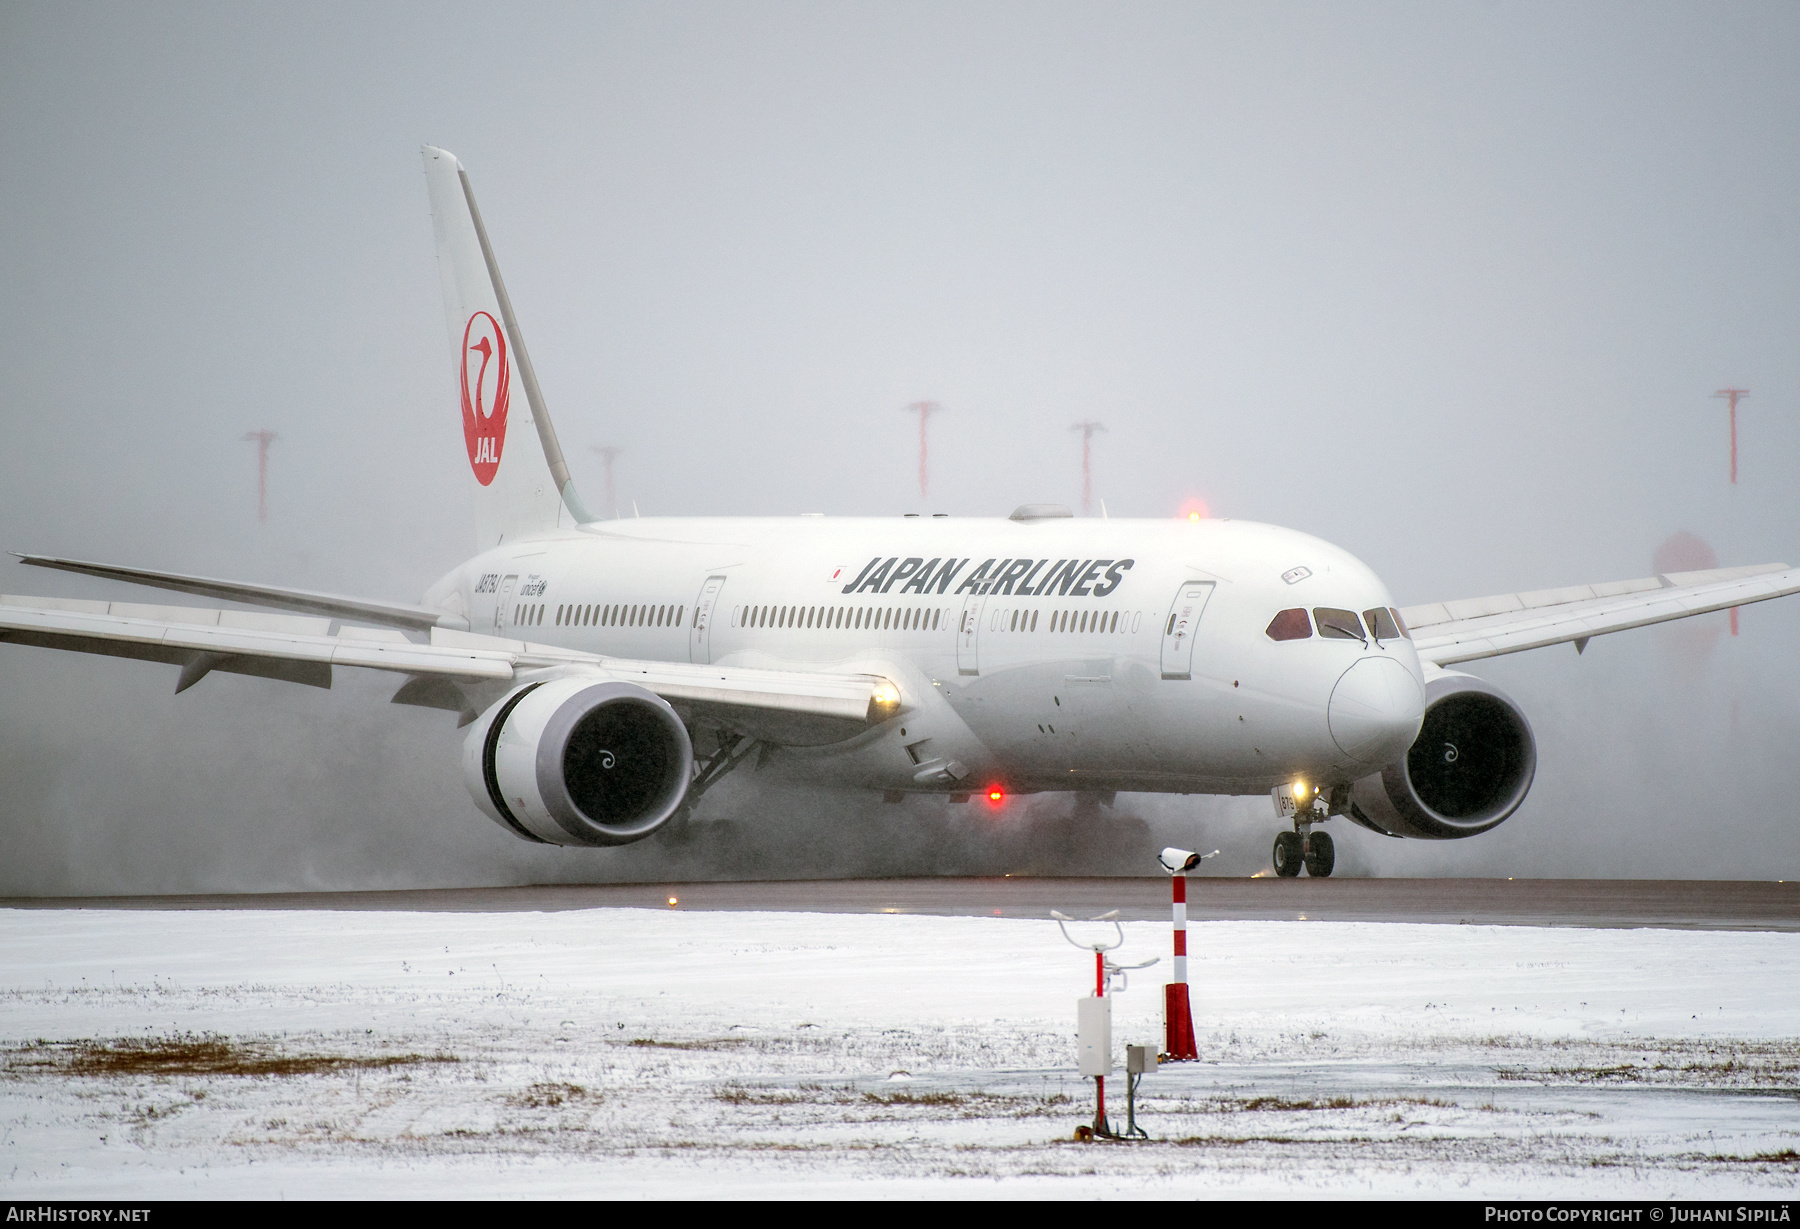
{"x": 486, "y": 387}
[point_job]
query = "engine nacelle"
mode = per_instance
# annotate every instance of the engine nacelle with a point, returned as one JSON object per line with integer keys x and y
{"x": 579, "y": 761}
{"x": 1469, "y": 768}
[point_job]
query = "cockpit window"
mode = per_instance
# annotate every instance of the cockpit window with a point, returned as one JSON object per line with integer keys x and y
{"x": 1290, "y": 625}
{"x": 1381, "y": 623}
{"x": 1400, "y": 623}
{"x": 1338, "y": 624}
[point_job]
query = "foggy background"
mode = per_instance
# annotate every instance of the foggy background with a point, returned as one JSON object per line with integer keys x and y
{"x": 1449, "y": 285}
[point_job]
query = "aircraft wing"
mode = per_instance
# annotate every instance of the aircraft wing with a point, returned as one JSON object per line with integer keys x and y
{"x": 776, "y": 705}
{"x": 303, "y": 601}
{"x": 1449, "y": 632}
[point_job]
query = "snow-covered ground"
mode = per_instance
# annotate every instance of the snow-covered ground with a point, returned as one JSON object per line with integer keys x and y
{"x": 629, "y": 1052}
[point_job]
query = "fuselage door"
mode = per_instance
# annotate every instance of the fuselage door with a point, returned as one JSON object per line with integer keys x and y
{"x": 503, "y": 603}
{"x": 968, "y": 636}
{"x": 700, "y": 630}
{"x": 1179, "y": 629}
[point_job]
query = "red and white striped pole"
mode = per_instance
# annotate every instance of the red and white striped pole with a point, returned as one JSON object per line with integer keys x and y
{"x": 1178, "y": 1013}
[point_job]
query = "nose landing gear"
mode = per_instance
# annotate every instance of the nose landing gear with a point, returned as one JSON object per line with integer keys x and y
{"x": 1312, "y": 850}
{"x": 1288, "y": 854}
{"x": 1320, "y": 855}
{"x": 1304, "y": 848}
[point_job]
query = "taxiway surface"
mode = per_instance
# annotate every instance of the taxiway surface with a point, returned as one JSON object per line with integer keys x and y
{"x": 1682, "y": 904}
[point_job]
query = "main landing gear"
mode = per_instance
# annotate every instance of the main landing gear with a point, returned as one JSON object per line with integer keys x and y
{"x": 730, "y": 751}
{"x": 1304, "y": 847}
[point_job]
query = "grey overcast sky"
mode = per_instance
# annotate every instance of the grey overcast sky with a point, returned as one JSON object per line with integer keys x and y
{"x": 1449, "y": 284}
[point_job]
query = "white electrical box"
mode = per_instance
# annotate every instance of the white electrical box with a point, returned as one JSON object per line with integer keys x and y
{"x": 1140, "y": 1060}
{"x": 1093, "y": 1018}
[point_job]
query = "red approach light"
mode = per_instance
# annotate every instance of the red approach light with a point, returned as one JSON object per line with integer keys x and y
{"x": 996, "y": 795}
{"x": 1193, "y": 510}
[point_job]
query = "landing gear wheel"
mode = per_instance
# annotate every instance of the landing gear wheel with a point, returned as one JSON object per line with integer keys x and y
{"x": 1287, "y": 856}
{"x": 1321, "y": 856}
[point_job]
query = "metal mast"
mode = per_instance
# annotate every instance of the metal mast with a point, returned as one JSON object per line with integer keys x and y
{"x": 1087, "y": 430}
{"x": 924, "y": 409}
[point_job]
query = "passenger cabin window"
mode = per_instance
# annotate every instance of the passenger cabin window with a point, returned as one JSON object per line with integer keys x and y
{"x": 1381, "y": 623}
{"x": 1337, "y": 624}
{"x": 1290, "y": 625}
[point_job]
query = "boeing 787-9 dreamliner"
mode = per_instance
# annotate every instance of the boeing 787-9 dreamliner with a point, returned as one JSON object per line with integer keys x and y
{"x": 610, "y": 672}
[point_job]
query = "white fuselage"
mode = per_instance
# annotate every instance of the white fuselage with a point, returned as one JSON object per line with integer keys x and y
{"x": 1054, "y": 654}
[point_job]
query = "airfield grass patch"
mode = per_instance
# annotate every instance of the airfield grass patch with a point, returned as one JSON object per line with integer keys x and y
{"x": 921, "y": 1098}
{"x": 1285, "y": 1105}
{"x": 191, "y": 1055}
{"x": 548, "y": 1095}
{"x": 1724, "y": 1063}
{"x": 1787, "y": 1157}
{"x": 756, "y": 1096}
{"x": 970, "y": 1104}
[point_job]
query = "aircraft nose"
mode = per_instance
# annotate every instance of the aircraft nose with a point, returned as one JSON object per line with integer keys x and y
{"x": 1375, "y": 711}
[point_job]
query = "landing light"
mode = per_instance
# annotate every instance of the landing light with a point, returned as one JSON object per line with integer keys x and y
{"x": 884, "y": 701}
{"x": 673, "y": 902}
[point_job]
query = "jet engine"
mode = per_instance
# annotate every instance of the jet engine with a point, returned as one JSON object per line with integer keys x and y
{"x": 579, "y": 761}
{"x": 1469, "y": 768}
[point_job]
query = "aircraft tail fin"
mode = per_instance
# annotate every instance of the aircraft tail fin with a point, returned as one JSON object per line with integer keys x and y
{"x": 520, "y": 489}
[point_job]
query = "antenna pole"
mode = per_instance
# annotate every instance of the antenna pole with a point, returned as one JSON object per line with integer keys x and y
{"x": 1733, "y": 395}
{"x": 607, "y": 453}
{"x": 924, "y": 409}
{"x": 262, "y": 439}
{"x": 1087, "y": 430}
